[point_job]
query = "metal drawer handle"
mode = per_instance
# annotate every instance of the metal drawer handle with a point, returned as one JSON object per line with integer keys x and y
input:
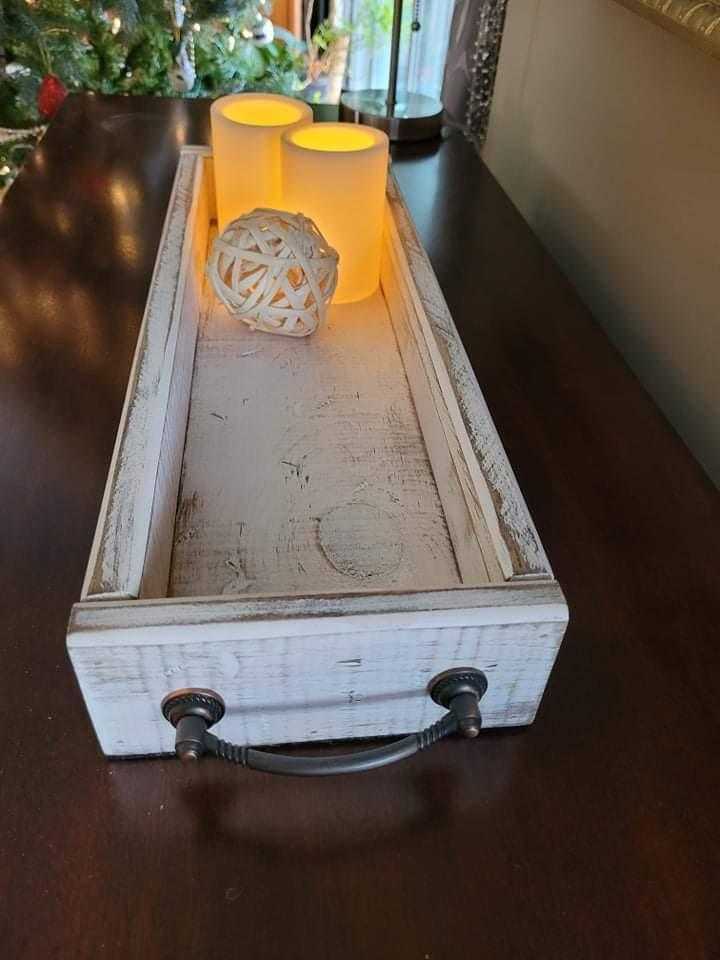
{"x": 192, "y": 712}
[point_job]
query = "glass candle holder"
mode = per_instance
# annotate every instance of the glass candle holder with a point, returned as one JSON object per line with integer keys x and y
{"x": 246, "y": 132}
{"x": 336, "y": 174}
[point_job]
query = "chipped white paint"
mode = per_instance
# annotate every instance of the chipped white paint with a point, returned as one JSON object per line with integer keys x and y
{"x": 344, "y": 501}
{"x": 119, "y": 550}
{"x": 480, "y": 556}
{"x": 517, "y": 528}
{"x": 312, "y": 668}
{"x": 291, "y": 447}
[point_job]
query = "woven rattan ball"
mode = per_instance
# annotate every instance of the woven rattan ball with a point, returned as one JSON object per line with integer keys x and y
{"x": 274, "y": 271}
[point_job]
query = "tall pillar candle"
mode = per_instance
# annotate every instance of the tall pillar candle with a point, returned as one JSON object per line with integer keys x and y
{"x": 336, "y": 174}
{"x": 246, "y": 132}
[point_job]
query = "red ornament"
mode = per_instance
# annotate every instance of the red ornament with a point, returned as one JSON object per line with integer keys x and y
{"x": 51, "y": 94}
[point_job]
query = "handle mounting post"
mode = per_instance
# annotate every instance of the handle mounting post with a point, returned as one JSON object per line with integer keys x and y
{"x": 193, "y": 711}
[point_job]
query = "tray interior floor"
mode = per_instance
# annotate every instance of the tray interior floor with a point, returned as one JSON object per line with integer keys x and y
{"x": 305, "y": 469}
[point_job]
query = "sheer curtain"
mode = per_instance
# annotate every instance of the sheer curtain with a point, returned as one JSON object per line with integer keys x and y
{"x": 422, "y": 52}
{"x": 453, "y": 56}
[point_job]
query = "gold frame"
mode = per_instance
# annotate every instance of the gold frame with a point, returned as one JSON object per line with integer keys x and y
{"x": 696, "y": 20}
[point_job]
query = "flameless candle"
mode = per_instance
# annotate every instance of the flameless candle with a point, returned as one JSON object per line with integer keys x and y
{"x": 246, "y": 132}
{"x": 336, "y": 173}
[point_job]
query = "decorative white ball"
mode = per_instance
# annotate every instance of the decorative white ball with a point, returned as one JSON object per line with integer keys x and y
{"x": 274, "y": 271}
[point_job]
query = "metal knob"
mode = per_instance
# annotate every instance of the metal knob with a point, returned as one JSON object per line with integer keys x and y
{"x": 191, "y": 712}
{"x": 460, "y": 690}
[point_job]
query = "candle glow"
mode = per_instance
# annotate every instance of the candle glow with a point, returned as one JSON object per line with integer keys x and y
{"x": 246, "y": 132}
{"x": 336, "y": 174}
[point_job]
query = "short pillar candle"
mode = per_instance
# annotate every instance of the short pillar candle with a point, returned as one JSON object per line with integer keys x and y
{"x": 336, "y": 174}
{"x": 246, "y": 132}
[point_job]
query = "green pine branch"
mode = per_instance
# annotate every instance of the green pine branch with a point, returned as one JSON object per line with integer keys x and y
{"x": 131, "y": 46}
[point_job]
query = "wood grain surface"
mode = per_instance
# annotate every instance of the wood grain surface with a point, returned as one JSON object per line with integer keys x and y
{"x": 592, "y": 834}
{"x": 305, "y": 464}
{"x": 318, "y": 668}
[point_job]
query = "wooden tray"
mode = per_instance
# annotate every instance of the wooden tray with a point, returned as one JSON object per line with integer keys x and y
{"x": 312, "y": 528}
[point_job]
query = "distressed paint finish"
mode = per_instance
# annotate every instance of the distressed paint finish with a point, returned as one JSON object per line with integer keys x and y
{"x": 527, "y": 556}
{"x": 305, "y": 468}
{"x": 119, "y": 550}
{"x": 412, "y": 549}
{"x": 303, "y": 669}
{"x": 479, "y": 548}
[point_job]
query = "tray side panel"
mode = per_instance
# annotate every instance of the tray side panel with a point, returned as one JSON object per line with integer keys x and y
{"x": 316, "y": 677}
{"x": 195, "y": 303}
{"x": 505, "y": 511}
{"x": 119, "y": 553}
{"x": 474, "y": 546}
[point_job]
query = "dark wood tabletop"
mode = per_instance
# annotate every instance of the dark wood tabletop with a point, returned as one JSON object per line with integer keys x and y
{"x": 595, "y": 833}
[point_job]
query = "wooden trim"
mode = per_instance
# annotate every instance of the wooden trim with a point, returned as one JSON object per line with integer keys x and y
{"x": 697, "y": 21}
{"x": 100, "y": 623}
{"x": 119, "y": 550}
{"x": 481, "y": 558}
{"x": 311, "y": 668}
{"x": 503, "y": 505}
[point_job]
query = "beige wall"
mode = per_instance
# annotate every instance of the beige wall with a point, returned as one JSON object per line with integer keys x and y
{"x": 605, "y": 131}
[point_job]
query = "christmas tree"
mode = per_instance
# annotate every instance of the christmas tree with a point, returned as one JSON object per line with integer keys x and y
{"x": 160, "y": 47}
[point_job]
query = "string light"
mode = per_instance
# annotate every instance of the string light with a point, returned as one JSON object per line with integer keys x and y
{"x": 231, "y": 43}
{"x": 116, "y": 24}
{"x": 196, "y": 27}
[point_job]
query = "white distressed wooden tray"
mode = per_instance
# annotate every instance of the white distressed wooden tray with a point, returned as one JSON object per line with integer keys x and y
{"x": 312, "y": 528}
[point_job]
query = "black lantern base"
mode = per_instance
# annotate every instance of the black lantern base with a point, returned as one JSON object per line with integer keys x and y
{"x": 414, "y": 117}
